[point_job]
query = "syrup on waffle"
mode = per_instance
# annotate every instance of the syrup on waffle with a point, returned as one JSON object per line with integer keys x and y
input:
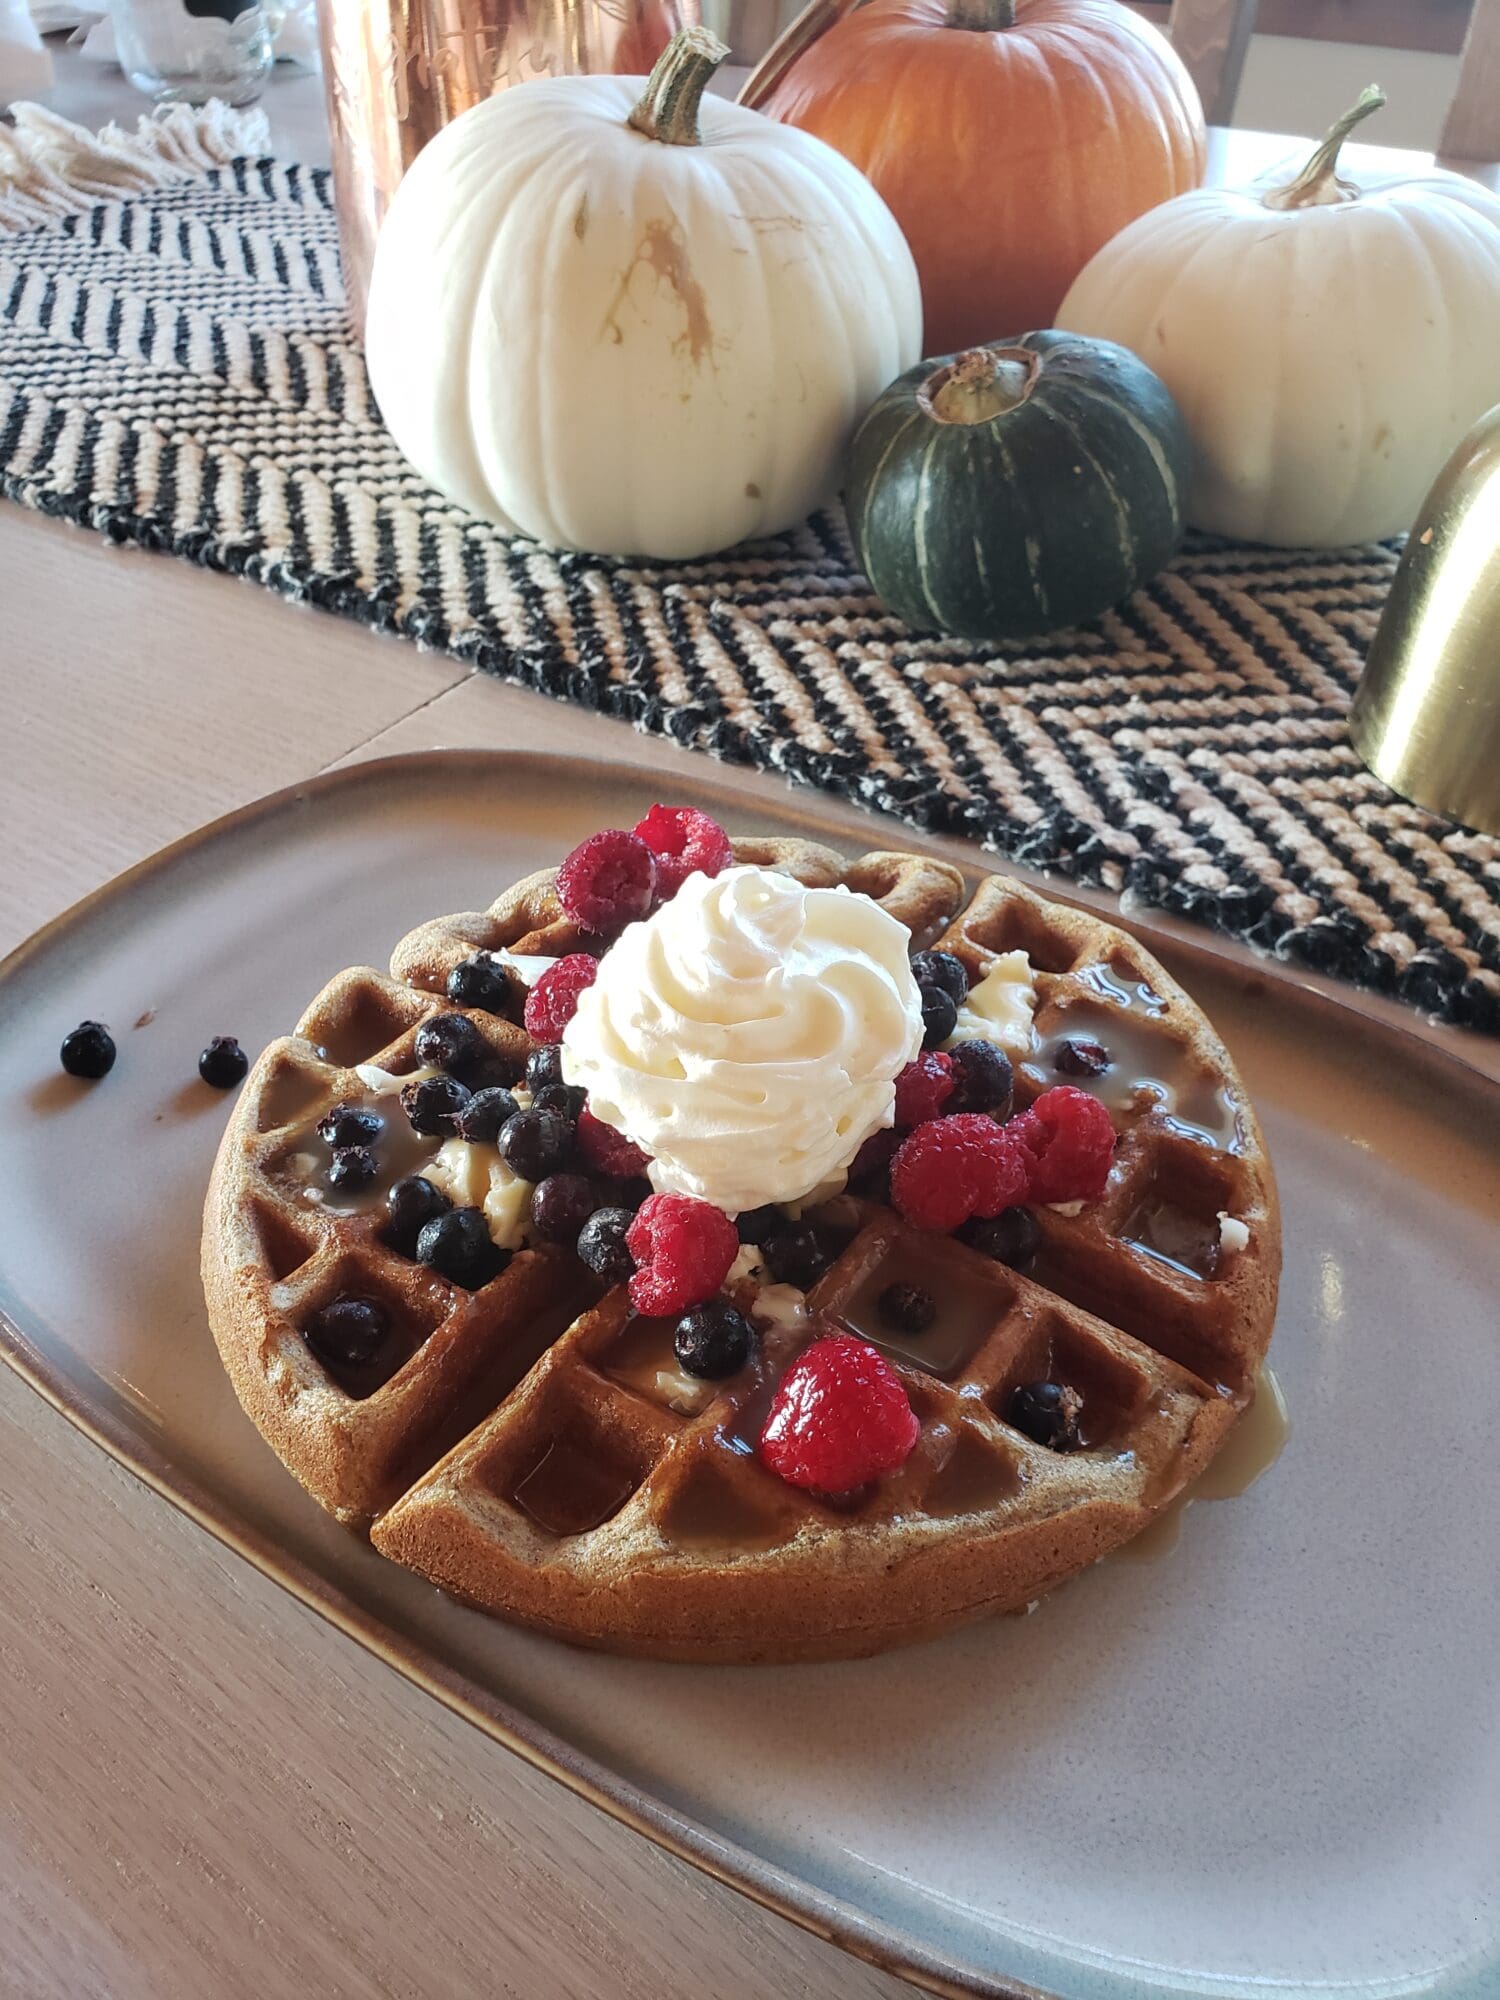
{"x": 535, "y": 1448}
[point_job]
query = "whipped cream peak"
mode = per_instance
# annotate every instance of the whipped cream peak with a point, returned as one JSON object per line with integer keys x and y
{"x": 748, "y": 1035}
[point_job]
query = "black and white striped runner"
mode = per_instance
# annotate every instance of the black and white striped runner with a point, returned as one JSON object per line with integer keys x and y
{"x": 174, "y": 370}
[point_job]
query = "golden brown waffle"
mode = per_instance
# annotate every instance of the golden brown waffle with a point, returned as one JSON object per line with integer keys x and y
{"x": 580, "y": 1496}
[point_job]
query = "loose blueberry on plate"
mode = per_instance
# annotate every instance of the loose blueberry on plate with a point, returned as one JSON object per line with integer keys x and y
{"x": 350, "y": 1125}
{"x": 944, "y": 970}
{"x": 535, "y": 1143}
{"x": 601, "y": 1244}
{"x": 451, "y": 1042}
{"x": 346, "y": 1331}
{"x": 352, "y": 1168}
{"x": 1078, "y": 1056}
{"x": 88, "y": 1052}
{"x": 479, "y": 1120}
{"x": 794, "y": 1255}
{"x": 1010, "y": 1238}
{"x": 939, "y": 1016}
{"x": 410, "y": 1205}
{"x": 560, "y": 1206}
{"x": 479, "y": 982}
{"x": 433, "y": 1103}
{"x": 1047, "y": 1413}
{"x": 714, "y": 1340}
{"x": 907, "y": 1308}
{"x": 983, "y": 1079}
{"x": 223, "y": 1063}
{"x": 544, "y": 1067}
{"x": 458, "y": 1247}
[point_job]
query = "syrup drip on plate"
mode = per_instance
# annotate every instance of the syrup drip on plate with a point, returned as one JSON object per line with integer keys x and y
{"x": 1251, "y": 1449}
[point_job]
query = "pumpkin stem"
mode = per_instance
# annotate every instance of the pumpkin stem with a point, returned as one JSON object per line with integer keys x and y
{"x": 1319, "y": 183}
{"x": 668, "y": 109}
{"x": 977, "y": 387}
{"x": 983, "y": 16}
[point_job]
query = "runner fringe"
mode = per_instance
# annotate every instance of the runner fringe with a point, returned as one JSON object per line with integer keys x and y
{"x": 50, "y": 167}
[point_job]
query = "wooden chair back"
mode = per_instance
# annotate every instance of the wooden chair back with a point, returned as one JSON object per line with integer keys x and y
{"x": 1212, "y": 37}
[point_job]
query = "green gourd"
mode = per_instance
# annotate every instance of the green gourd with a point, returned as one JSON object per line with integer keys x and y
{"x": 1017, "y": 488}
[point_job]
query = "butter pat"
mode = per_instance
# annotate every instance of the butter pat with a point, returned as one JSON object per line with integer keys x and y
{"x": 527, "y": 968}
{"x": 1233, "y": 1235}
{"x": 780, "y": 1306}
{"x": 477, "y": 1177}
{"x": 1001, "y": 1007}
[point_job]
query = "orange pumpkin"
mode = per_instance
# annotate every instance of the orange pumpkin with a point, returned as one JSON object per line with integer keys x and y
{"x": 1011, "y": 138}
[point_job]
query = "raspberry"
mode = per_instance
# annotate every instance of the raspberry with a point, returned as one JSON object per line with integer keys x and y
{"x": 840, "y": 1418}
{"x": 683, "y": 1249}
{"x": 608, "y": 881}
{"x": 949, "y": 1170}
{"x": 923, "y": 1088}
{"x": 1070, "y": 1142}
{"x": 685, "y": 842}
{"x": 550, "y": 1003}
{"x": 608, "y": 1151}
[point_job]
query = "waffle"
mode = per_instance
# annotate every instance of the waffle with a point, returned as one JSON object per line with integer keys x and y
{"x": 529, "y": 1448}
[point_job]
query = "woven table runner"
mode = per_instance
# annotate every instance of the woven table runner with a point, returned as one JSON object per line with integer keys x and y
{"x": 175, "y": 371}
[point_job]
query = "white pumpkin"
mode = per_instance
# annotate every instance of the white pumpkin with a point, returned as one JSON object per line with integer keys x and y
{"x": 642, "y": 338}
{"x": 1328, "y": 342}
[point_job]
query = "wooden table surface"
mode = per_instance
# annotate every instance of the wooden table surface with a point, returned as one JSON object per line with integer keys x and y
{"x": 206, "y": 1791}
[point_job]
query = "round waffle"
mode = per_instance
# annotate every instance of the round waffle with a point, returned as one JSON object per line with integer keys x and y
{"x": 526, "y": 1446}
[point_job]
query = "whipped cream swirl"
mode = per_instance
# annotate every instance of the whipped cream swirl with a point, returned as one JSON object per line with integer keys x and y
{"x": 748, "y": 1036}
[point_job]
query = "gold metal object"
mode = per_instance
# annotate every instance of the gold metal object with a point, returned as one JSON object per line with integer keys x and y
{"x": 397, "y": 71}
{"x": 1426, "y": 717}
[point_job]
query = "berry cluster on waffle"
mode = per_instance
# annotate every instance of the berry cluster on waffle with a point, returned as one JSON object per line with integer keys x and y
{"x": 726, "y": 1251}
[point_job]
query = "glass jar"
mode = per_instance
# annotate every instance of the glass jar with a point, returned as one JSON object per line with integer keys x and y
{"x": 187, "y": 51}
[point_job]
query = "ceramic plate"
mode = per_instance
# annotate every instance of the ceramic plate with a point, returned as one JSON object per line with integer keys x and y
{"x": 1266, "y": 1763}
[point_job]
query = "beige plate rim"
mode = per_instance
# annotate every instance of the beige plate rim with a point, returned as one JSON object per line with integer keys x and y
{"x": 824, "y": 1916}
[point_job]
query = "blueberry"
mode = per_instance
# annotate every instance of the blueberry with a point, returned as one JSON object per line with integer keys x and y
{"x": 756, "y": 1224}
{"x": 794, "y": 1256}
{"x": 907, "y": 1308}
{"x": 601, "y": 1245}
{"x": 943, "y": 970}
{"x": 433, "y": 1104}
{"x": 411, "y": 1204}
{"x": 714, "y": 1340}
{"x": 983, "y": 1079}
{"x": 480, "y": 1119}
{"x": 223, "y": 1063}
{"x": 350, "y": 1125}
{"x": 352, "y": 1168}
{"x": 1009, "y": 1238}
{"x": 89, "y": 1051}
{"x": 544, "y": 1066}
{"x": 458, "y": 1247}
{"x": 560, "y": 1206}
{"x": 1078, "y": 1056}
{"x": 451, "y": 1042}
{"x": 480, "y": 982}
{"x": 1047, "y": 1413}
{"x": 346, "y": 1331}
{"x": 567, "y": 1098}
{"x": 939, "y": 1016}
{"x": 536, "y": 1143}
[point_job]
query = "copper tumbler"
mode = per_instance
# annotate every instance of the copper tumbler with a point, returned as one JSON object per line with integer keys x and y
{"x": 397, "y": 71}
